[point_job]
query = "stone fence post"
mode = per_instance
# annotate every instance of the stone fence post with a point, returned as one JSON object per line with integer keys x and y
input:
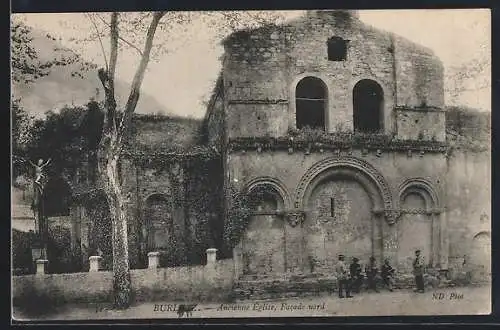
{"x": 211, "y": 257}
{"x": 41, "y": 266}
{"x": 211, "y": 261}
{"x": 153, "y": 260}
{"x": 94, "y": 262}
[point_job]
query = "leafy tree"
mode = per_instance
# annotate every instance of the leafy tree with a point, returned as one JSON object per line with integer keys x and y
{"x": 69, "y": 137}
{"x": 26, "y": 64}
{"x": 26, "y": 67}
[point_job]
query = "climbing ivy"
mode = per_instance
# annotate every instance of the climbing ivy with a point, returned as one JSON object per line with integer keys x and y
{"x": 316, "y": 139}
{"x": 238, "y": 214}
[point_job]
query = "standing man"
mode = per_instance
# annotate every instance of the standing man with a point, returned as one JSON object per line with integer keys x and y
{"x": 418, "y": 271}
{"x": 356, "y": 276}
{"x": 371, "y": 271}
{"x": 342, "y": 278}
{"x": 387, "y": 273}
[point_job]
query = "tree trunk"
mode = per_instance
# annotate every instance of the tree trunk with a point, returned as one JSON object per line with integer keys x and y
{"x": 110, "y": 149}
{"x": 121, "y": 269}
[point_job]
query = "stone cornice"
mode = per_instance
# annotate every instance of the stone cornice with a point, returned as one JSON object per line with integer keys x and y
{"x": 258, "y": 101}
{"x": 418, "y": 109}
{"x": 333, "y": 143}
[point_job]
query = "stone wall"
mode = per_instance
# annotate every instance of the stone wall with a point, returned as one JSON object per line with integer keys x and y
{"x": 397, "y": 168}
{"x": 214, "y": 122}
{"x": 469, "y": 202}
{"x": 172, "y": 284}
{"x": 420, "y": 75}
{"x": 164, "y": 131}
{"x": 421, "y": 125}
{"x": 262, "y": 67}
{"x": 189, "y": 184}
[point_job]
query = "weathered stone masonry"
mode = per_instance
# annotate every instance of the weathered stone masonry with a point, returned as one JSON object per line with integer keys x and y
{"x": 317, "y": 192}
{"x": 339, "y": 193}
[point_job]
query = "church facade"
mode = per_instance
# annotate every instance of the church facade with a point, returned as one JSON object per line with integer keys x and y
{"x": 335, "y": 135}
{"x": 338, "y": 130}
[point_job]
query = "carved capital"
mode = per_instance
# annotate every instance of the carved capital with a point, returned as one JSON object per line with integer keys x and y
{"x": 295, "y": 217}
{"x": 392, "y": 216}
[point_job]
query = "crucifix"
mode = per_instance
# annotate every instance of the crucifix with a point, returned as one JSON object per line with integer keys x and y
{"x": 39, "y": 174}
{"x": 38, "y": 206}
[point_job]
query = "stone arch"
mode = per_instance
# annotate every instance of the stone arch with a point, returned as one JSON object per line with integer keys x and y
{"x": 357, "y": 169}
{"x": 262, "y": 243}
{"x": 311, "y": 103}
{"x": 421, "y": 187}
{"x": 293, "y": 101}
{"x": 272, "y": 185}
{"x": 418, "y": 216}
{"x": 480, "y": 258}
{"x": 158, "y": 220}
{"x": 481, "y": 234}
{"x": 155, "y": 195}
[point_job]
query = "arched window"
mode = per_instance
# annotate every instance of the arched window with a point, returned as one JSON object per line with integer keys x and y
{"x": 368, "y": 104}
{"x": 265, "y": 199}
{"x": 310, "y": 103}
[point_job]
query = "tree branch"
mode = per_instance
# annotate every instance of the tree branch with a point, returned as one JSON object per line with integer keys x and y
{"x": 139, "y": 77}
{"x": 123, "y": 39}
{"x": 100, "y": 40}
{"x": 114, "y": 46}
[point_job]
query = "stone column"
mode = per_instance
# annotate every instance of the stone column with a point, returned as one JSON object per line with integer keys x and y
{"x": 294, "y": 241}
{"x": 153, "y": 260}
{"x": 41, "y": 265}
{"x": 443, "y": 240}
{"x": 390, "y": 244}
{"x": 377, "y": 236}
{"x": 435, "y": 242}
{"x": 94, "y": 262}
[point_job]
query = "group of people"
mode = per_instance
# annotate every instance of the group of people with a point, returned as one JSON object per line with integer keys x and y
{"x": 350, "y": 278}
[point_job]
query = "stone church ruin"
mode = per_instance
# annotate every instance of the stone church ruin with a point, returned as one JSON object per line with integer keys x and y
{"x": 323, "y": 136}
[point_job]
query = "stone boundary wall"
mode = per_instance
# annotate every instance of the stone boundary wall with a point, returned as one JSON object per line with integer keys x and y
{"x": 213, "y": 281}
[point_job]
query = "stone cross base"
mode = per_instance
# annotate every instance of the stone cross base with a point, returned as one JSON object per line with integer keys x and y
{"x": 94, "y": 263}
{"x": 211, "y": 256}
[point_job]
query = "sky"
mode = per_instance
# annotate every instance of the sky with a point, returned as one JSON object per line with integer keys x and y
{"x": 182, "y": 79}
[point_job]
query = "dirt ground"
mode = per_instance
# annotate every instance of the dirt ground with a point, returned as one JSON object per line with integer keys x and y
{"x": 456, "y": 301}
